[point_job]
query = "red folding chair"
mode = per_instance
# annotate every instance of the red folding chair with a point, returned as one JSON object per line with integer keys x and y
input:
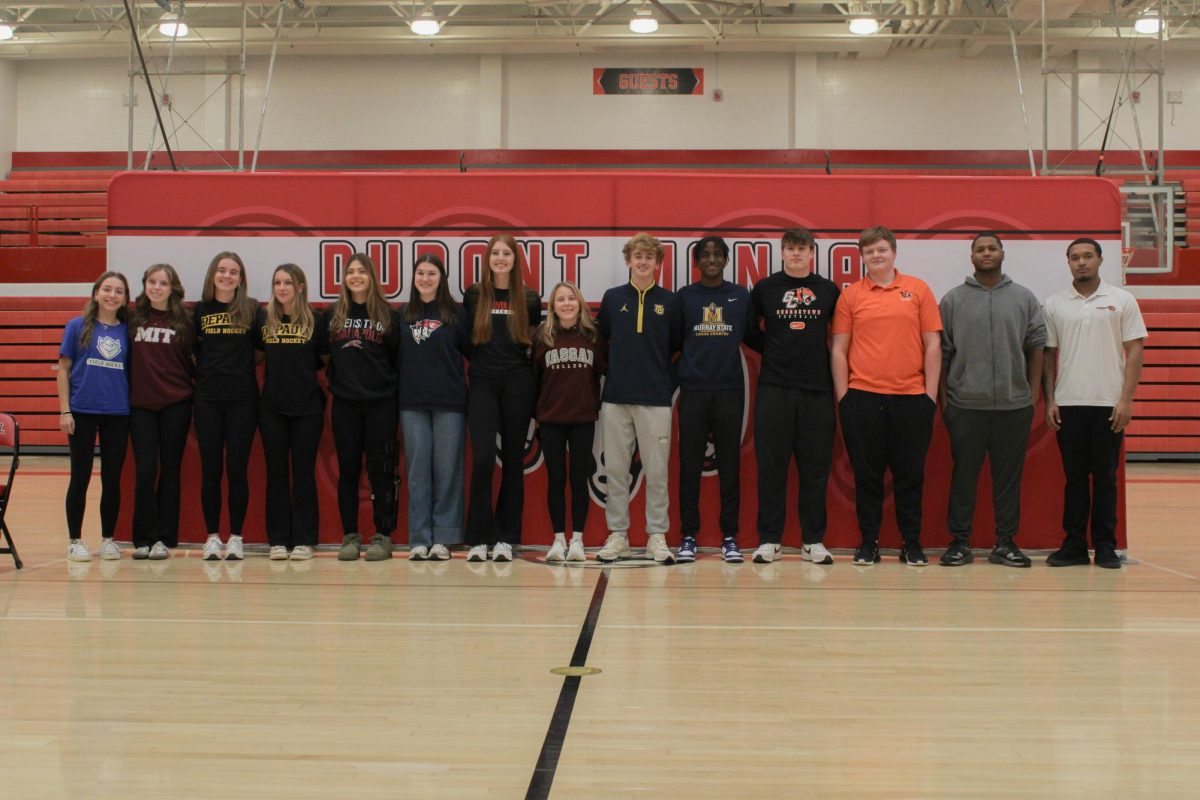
{"x": 10, "y": 446}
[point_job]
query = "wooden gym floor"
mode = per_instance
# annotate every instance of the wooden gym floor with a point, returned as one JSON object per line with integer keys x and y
{"x": 182, "y": 679}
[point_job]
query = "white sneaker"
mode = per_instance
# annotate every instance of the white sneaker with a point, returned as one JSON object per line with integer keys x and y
{"x": 656, "y": 548}
{"x": 502, "y": 552}
{"x": 439, "y": 552}
{"x": 557, "y": 551}
{"x": 77, "y": 551}
{"x": 477, "y": 553}
{"x": 159, "y": 552}
{"x": 278, "y": 552}
{"x": 816, "y": 553}
{"x": 141, "y": 553}
{"x": 109, "y": 551}
{"x": 617, "y": 546}
{"x": 212, "y": 548}
{"x": 418, "y": 553}
{"x": 302, "y": 552}
{"x": 766, "y": 553}
{"x": 233, "y": 549}
{"x": 575, "y": 551}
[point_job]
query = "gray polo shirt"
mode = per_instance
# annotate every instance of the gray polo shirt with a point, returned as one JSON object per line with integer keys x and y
{"x": 985, "y": 334}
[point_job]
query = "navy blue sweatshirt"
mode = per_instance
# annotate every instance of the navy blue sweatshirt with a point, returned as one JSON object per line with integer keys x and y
{"x": 431, "y": 361}
{"x": 715, "y": 322}
{"x": 643, "y": 330}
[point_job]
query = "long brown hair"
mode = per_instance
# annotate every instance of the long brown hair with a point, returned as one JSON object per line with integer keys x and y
{"x": 302, "y": 313}
{"x": 518, "y": 317}
{"x": 378, "y": 309}
{"x": 242, "y": 308}
{"x": 92, "y": 310}
{"x": 177, "y": 317}
{"x": 551, "y": 327}
{"x": 442, "y": 300}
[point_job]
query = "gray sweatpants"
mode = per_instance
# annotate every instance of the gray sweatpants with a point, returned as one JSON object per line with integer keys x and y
{"x": 650, "y": 428}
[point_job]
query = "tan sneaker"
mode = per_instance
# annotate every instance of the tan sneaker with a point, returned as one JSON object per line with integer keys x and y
{"x": 656, "y": 548}
{"x": 616, "y": 547}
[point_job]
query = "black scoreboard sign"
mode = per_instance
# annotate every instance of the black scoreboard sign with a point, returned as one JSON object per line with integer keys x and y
{"x": 647, "y": 80}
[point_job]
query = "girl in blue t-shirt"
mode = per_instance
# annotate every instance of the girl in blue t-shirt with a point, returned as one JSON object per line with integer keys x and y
{"x": 93, "y": 394}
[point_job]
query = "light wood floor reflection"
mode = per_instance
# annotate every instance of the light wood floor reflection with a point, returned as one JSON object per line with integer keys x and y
{"x": 182, "y": 679}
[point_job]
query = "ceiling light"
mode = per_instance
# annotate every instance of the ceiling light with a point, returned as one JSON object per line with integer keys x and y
{"x": 6, "y": 33}
{"x": 643, "y": 22}
{"x": 864, "y": 26}
{"x": 425, "y": 25}
{"x": 171, "y": 25}
{"x": 1147, "y": 24}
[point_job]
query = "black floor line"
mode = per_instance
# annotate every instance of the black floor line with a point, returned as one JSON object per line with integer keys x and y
{"x": 556, "y": 734}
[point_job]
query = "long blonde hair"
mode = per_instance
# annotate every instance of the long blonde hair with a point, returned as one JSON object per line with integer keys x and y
{"x": 242, "y": 308}
{"x": 551, "y": 327}
{"x": 302, "y": 313}
{"x": 378, "y": 309}
{"x": 518, "y": 317}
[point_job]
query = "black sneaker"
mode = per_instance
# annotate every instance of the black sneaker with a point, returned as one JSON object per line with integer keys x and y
{"x": 957, "y": 554}
{"x": 912, "y": 554}
{"x": 1067, "y": 556}
{"x": 1009, "y": 555}
{"x": 867, "y": 554}
{"x": 1106, "y": 557}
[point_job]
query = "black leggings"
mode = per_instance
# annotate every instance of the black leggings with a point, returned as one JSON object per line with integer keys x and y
{"x": 158, "y": 441}
{"x": 555, "y": 441}
{"x": 290, "y": 448}
{"x": 114, "y": 439}
{"x": 366, "y": 426}
{"x": 502, "y": 407}
{"x": 225, "y": 432}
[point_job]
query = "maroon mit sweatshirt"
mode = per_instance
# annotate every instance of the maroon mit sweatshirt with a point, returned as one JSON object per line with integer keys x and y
{"x": 568, "y": 377}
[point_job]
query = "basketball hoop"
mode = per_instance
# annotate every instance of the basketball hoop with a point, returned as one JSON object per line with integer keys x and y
{"x": 1126, "y": 257}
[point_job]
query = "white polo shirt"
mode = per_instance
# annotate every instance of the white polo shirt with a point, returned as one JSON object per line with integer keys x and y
{"x": 1089, "y": 333}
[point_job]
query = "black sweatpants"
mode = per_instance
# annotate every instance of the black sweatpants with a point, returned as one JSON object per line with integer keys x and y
{"x": 793, "y": 424}
{"x": 366, "y": 427}
{"x": 1091, "y": 455}
{"x": 1001, "y": 437}
{"x": 887, "y": 431}
{"x": 114, "y": 440}
{"x": 159, "y": 438}
{"x": 290, "y": 450}
{"x": 502, "y": 407}
{"x": 715, "y": 414}
{"x": 225, "y": 432}
{"x": 556, "y": 439}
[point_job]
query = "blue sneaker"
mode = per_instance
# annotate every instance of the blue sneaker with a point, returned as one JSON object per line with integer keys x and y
{"x": 730, "y": 551}
{"x": 687, "y": 549}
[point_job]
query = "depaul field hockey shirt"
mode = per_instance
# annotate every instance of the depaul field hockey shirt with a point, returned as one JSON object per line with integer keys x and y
{"x": 293, "y": 358}
{"x": 224, "y": 355}
{"x": 362, "y": 357}
{"x": 99, "y": 382}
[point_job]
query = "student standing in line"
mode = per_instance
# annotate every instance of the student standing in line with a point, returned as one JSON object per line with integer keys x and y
{"x": 1095, "y": 338}
{"x": 433, "y": 411}
{"x": 568, "y": 359}
{"x": 992, "y": 337}
{"x": 161, "y": 370}
{"x": 292, "y": 414}
{"x": 226, "y": 400}
{"x": 641, "y": 322}
{"x": 886, "y": 359}
{"x": 793, "y": 411}
{"x": 712, "y": 394}
{"x": 364, "y": 338}
{"x": 501, "y": 397}
{"x": 93, "y": 395}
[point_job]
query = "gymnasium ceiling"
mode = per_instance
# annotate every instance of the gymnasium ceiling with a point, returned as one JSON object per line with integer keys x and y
{"x": 67, "y": 28}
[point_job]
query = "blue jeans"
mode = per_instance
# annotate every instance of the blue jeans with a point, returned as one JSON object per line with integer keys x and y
{"x": 433, "y": 456}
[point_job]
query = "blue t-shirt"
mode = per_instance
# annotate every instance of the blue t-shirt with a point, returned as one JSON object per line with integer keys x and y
{"x": 99, "y": 375}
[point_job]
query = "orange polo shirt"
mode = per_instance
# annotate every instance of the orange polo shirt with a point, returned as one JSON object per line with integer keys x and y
{"x": 885, "y": 323}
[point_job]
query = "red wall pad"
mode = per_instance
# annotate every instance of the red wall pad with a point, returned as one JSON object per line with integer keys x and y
{"x": 572, "y": 226}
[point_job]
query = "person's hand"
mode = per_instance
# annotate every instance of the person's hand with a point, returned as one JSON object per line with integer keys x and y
{"x": 1053, "y": 420}
{"x": 66, "y": 422}
{"x": 1122, "y": 413}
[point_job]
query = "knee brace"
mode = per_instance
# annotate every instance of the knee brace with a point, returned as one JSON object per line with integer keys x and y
{"x": 381, "y": 472}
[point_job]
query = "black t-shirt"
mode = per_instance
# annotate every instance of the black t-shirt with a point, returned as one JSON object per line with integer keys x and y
{"x": 362, "y": 357}
{"x": 796, "y": 314}
{"x": 224, "y": 354}
{"x": 293, "y": 358}
{"x": 501, "y": 357}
